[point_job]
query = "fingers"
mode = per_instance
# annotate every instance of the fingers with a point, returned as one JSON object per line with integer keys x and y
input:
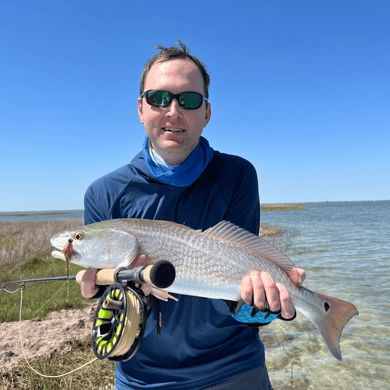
{"x": 287, "y": 309}
{"x": 139, "y": 261}
{"x": 87, "y": 286}
{"x": 146, "y": 288}
{"x": 257, "y": 288}
{"x": 246, "y": 289}
{"x": 302, "y": 276}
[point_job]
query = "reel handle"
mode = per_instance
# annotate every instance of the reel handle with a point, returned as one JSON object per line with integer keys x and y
{"x": 161, "y": 274}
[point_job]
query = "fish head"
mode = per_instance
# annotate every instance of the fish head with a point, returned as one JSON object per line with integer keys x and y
{"x": 96, "y": 246}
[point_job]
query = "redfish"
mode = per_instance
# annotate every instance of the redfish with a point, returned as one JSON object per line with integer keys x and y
{"x": 208, "y": 264}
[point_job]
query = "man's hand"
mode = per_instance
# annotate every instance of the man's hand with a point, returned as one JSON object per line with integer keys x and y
{"x": 258, "y": 286}
{"x": 89, "y": 289}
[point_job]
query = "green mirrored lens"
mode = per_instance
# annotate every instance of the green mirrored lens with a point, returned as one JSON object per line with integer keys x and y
{"x": 190, "y": 99}
{"x": 159, "y": 98}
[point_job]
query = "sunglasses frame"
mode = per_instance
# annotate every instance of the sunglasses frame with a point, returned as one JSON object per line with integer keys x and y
{"x": 173, "y": 96}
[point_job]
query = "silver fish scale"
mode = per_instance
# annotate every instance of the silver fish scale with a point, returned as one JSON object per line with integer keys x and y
{"x": 206, "y": 265}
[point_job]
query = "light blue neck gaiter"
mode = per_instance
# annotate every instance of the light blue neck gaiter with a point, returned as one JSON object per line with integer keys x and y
{"x": 187, "y": 172}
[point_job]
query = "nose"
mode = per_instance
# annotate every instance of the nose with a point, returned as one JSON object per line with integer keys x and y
{"x": 174, "y": 110}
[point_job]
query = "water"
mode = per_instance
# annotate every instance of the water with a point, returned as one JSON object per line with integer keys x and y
{"x": 40, "y": 215}
{"x": 345, "y": 249}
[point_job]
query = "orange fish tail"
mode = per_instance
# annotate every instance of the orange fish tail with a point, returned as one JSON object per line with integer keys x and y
{"x": 331, "y": 322}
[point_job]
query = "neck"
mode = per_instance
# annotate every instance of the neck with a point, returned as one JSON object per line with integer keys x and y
{"x": 188, "y": 170}
{"x": 172, "y": 158}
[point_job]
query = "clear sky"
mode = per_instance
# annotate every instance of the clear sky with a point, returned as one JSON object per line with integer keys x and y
{"x": 299, "y": 88}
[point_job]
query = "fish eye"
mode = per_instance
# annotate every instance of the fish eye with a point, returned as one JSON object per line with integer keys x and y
{"x": 78, "y": 236}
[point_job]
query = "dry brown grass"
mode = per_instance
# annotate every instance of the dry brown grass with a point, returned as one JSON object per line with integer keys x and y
{"x": 20, "y": 240}
{"x": 282, "y": 207}
{"x": 269, "y": 230}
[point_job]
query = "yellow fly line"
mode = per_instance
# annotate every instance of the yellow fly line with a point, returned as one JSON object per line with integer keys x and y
{"x": 24, "y": 355}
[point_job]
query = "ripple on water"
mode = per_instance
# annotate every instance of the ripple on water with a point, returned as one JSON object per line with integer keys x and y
{"x": 344, "y": 247}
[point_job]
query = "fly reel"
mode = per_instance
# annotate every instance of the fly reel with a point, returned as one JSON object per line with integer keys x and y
{"x": 120, "y": 319}
{"x": 119, "y": 323}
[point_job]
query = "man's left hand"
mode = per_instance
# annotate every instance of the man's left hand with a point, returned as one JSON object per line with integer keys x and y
{"x": 258, "y": 286}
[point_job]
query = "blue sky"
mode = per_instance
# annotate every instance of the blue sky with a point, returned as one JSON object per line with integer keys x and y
{"x": 299, "y": 88}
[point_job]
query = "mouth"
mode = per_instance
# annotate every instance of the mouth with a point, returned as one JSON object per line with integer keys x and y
{"x": 65, "y": 249}
{"x": 173, "y": 130}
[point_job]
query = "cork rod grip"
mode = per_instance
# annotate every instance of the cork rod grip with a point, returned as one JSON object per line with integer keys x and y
{"x": 103, "y": 277}
{"x": 161, "y": 274}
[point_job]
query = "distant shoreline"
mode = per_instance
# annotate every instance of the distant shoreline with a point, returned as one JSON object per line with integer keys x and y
{"x": 32, "y": 213}
{"x": 282, "y": 207}
{"x": 262, "y": 207}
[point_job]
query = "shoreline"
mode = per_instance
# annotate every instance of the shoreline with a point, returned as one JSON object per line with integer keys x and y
{"x": 282, "y": 206}
{"x": 73, "y": 211}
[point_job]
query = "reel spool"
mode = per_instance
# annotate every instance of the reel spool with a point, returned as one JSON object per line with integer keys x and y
{"x": 119, "y": 323}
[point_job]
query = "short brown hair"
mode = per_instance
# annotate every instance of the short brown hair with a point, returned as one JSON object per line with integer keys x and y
{"x": 169, "y": 53}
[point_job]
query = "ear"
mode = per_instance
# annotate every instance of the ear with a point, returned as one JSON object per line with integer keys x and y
{"x": 140, "y": 110}
{"x": 208, "y": 114}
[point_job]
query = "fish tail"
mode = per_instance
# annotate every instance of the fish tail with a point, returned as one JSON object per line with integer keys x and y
{"x": 336, "y": 314}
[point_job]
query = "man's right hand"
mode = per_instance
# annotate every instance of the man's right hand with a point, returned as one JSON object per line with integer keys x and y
{"x": 89, "y": 289}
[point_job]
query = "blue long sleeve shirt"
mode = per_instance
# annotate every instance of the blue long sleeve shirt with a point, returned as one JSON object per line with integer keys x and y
{"x": 200, "y": 344}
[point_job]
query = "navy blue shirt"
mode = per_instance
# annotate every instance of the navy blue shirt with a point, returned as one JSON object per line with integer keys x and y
{"x": 200, "y": 345}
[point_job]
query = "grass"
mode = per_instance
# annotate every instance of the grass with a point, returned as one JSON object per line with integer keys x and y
{"x": 37, "y": 294}
{"x": 266, "y": 230}
{"x": 25, "y": 254}
{"x": 282, "y": 207}
{"x": 9, "y": 241}
{"x": 20, "y": 240}
{"x": 94, "y": 376}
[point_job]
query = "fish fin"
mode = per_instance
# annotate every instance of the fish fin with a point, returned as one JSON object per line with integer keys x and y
{"x": 126, "y": 262}
{"x": 130, "y": 257}
{"x": 231, "y": 232}
{"x": 161, "y": 294}
{"x": 336, "y": 315}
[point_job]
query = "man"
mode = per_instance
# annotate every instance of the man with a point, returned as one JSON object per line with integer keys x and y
{"x": 204, "y": 343}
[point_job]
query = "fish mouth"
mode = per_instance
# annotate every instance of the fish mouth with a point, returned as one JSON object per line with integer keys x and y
{"x": 64, "y": 245}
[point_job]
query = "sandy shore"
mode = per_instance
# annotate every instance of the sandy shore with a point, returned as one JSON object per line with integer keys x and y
{"x": 42, "y": 337}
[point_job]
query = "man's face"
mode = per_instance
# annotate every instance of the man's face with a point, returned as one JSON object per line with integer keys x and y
{"x": 174, "y": 131}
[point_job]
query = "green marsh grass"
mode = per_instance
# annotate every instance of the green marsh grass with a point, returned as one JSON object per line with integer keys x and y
{"x": 28, "y": 257}
{"x": 25, "y": 254}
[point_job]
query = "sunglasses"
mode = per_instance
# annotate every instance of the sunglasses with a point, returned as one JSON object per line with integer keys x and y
{"x": 187, "y": 100}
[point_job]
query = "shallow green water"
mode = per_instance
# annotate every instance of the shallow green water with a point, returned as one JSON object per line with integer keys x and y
{"x": 345, "y": 249}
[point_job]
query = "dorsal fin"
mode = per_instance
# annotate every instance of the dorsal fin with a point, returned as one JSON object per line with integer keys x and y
{"x": 231, "y": 232}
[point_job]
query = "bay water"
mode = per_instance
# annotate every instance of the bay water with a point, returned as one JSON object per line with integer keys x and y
{"x": 345, "y": 249}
